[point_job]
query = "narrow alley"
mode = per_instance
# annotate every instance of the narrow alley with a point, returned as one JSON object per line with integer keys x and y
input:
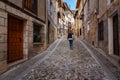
{"x": 59, "y": 39}
{"x": 59, "y": 62}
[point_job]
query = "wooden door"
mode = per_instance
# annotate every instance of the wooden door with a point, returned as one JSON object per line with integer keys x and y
{"x": 15, "y": 39}
{"x": 115, "y": 35}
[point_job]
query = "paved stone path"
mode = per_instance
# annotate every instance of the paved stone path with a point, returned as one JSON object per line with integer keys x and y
{"x": 110, "y": 66}
{"x": 66, "y": 64}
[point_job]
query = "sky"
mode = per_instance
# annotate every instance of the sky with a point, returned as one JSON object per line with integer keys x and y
{"x": 71, "y": 3}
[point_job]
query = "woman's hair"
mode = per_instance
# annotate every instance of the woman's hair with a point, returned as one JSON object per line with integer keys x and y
{"x": 70, "y": 31}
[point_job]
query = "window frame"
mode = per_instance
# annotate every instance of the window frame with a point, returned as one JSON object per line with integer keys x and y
{"x": 34, "y": 6}
{"x": 111, "y": 1}
{"x": 39, "y": 33}
{"x": 101, "y": 31}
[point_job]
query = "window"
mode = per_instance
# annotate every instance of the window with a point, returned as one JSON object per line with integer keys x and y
{"x": 111, "y": 1}
{"x": 101, "y": 31}
{"x": 37, "y": 33}
{"x": 80, "y": 32}
{"x": 31, "y": 5}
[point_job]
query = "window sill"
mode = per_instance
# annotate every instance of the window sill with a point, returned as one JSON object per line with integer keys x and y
{"x": 38, "y": 43}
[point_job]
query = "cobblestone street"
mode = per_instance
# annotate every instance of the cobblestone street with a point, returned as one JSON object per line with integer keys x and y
{"x": 59, "y": 62}
{"x": 66, "y": 64}
{"x": 59, "y": 39}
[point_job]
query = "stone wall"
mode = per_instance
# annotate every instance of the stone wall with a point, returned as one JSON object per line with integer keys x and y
{"x": 3, "y": 38}
{"x": 105, "y": 12}
{"x": 90, "y": 20}
{"x": 27, "y": 33}
{"x": 102, "y": 7}
{"x": 104, "y": 44}
{"x": 18, "y": 3}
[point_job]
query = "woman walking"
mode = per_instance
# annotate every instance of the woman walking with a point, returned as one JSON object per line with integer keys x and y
{"x": 70, "y": 38}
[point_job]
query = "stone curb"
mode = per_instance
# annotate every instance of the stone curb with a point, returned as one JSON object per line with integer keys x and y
{"x": 110, "y": 75}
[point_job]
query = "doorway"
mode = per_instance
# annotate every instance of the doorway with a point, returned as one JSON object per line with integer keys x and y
{"x": 15, "y": 39}
{"x": 115, "y": 35}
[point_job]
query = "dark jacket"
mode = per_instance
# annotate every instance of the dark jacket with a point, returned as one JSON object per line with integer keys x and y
{"x": 70, "y": 36}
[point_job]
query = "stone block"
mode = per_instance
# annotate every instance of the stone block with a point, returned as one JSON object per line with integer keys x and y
{"x": 3, "y": 30}
{"x": 30, "y": 33}
{"x": 2, "y": 5}
{"x": 25, "y": 53}
{"x": 25, "y": 46}
{"x": 26, "y": 33}
{"x": 30, "y": 39}
{"x": 21, "y": 14}
{"x": 3, "y": 55}
{"x": 18, "y": 3}
{"x": 30, "y": 28}
{"x": 6, "y": 22}
{"x": 25, "y": 39}
{"x": 3, "y": 66}
{"x": 14, "y": 11}
{"x": 2, "y": 37}
{"x": 26, "y": 28}
{"x": 24, "y": 16}
{"x": 5, "y": 38}
{"x": 30, "y": 45}
{"x": 29, "y": 23}
{"x": 8, "y": 8}
{"x": 3, "y": 46}
{"x": 3, "y": 14}
{"x": 2, "y": 21}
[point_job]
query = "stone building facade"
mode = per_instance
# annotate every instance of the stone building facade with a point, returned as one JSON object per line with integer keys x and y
{"x": 101, "y": 24}
{"x": 89, "y": 21}
{"x": 78, "y": 20}
{"x": 61, "y": 18}
{"x": 109, "y": 19}
{"x": 51, "y": 21}
{"x": 22, "y": 30}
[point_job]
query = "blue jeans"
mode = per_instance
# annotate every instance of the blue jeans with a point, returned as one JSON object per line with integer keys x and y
{"x": 71, "y": 43}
